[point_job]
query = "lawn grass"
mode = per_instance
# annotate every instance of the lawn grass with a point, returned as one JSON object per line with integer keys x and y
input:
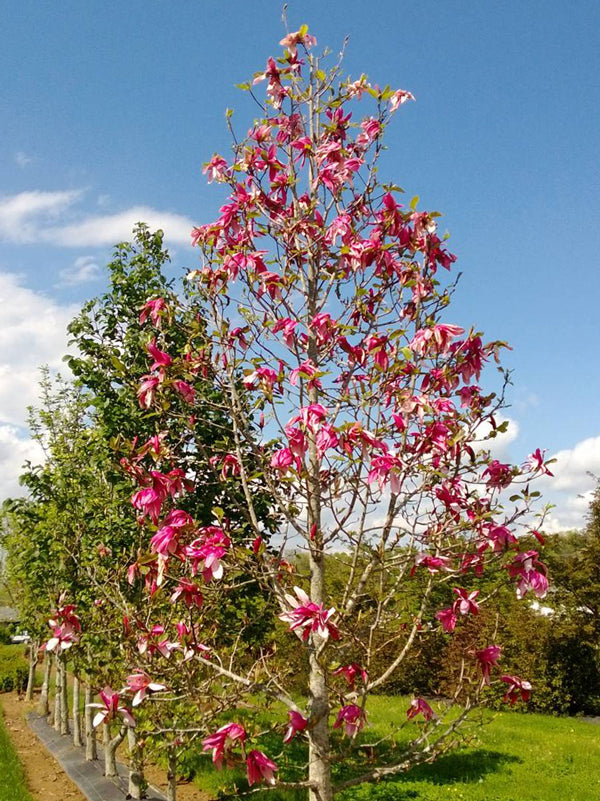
{"x": 12, "y": 780}
{"x": 513, "y": 757}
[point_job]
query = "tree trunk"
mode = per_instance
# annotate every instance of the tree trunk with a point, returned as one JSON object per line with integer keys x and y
{"x": 64, "y": 699}
{"x": 77, "y": 741}
{"x": 319, "y": 770}
{"x": 44, "y": 707}
{"x": 110, "y": 750}
{"x": 91, "y": 751}
{"x": 33, "y": 660}
{"x": 136, "y": 767}
{"x": 172, "y": 775}
{"x": 57, "y": 693}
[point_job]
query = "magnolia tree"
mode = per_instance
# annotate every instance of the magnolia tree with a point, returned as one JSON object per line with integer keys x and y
{"x": 326, "y": 305}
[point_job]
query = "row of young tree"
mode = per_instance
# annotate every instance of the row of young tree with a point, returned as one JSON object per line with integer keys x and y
{"x": 274, "y": 486}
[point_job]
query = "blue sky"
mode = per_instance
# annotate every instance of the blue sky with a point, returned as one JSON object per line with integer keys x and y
{"x": 109, "y": 109}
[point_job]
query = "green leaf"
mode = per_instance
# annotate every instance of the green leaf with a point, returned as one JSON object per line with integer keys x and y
{"x": 414, "y": 202}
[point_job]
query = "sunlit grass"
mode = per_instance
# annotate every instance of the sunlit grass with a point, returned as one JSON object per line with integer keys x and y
{"x": 12, "y": 781}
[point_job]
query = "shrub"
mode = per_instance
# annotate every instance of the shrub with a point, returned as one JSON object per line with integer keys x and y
{"x": 13, "y": 668}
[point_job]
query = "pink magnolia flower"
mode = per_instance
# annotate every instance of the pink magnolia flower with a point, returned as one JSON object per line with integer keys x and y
{"x": 147, "y": 390}
{"x": 263, "y": 377}
{"x": 188, "y": 592}
{"x": 66, "y": 615}
{"x": 259, "y": 767}
{"x": 465, "y": 602}
{"x": 352, "y": 718}
{"x": 312, "y": 416}
{"x": 216, "y": 169}
{"x": 433, "y": 563}
{"x": 531, "y": 574}
{"x": 326, "y": 438}
{"x": 287, "y": 326}
{"x": 399, "y": 97}
{"x": 356, "y": 88}
{"x": 436, "y": 339}
{"x": 153, "y": 309}
{"x": 110, "y": 708}
{"x": 292, "y": 40}
{"x": 221, "y": 742}
{"x": 499, "y": 475}
{"x": 535, "y": 463}
{"x": 309, "y": 616}
{"x": 499, "y": 537}
{"x": 323, "y": 326}
{"x": 141, "y": 684}
{"x": 488, "y": 657}
{"x": 210, "y": 548}
{"x": 161, "y": 359}
{"x": 418, "y": 706}
{"x": 341, "y": 226}
{"x": 385, "y": 468}
{"x": 187, "y": 392}
{"x": 516, "y": 687}
{"x": 189, "y": 642}
{"x": 296, "y": 723}
{"x": 63, "y": 637}
{"x": 376, "y": 346}
{"x": 230, "y": 466}
{"x": 166, "y": 539}
{"x": 149, "y": 499}
{"x": 306, "y": 370}
{"x": 152, "y": 642}
{"x": 371, "y": 129}
{"x": 447, "y": 618}
{"x": 282, "y": 459}
{"x": 351, "y": 672}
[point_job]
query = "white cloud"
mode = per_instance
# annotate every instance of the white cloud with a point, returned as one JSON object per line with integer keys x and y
{"x": 572, "y": 486}
{"x": 33, "y": 333}
{"x": 22, "y": 216}
{"x": 83, "y": 269}
{"x": 14, "y": 452}
{"x": 574, "y": 464}
{"x": 107, "y": 229}
{"x": 22, "y": 159}
{"x": 53, "y": 217}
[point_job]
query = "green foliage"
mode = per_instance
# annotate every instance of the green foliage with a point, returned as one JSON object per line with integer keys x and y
{"x": 14, "y": 668}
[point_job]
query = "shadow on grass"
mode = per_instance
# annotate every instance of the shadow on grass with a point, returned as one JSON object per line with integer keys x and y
{"x": 465, "y": 767}
{"x": 461, "y": 766}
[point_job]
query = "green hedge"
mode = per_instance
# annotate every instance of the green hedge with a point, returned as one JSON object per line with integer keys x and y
{"x": 14, "y": 669}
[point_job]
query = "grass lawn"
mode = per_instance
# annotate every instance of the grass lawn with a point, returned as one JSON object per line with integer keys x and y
{"x": 12, "y": 782}
{"x": 515, "y": 757}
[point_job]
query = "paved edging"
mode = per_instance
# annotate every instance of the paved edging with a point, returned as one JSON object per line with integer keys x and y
{"x": 88, "y": 776}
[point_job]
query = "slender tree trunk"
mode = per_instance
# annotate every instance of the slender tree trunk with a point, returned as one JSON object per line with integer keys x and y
{"x": 57, "y": 692}
{"x": 319, "y": 749}
{"x": 110, "y": 750}
{"x": 172, "y": 775}
{"x": 77, "y": 741}
{"x": 91, "y": 751}
{"x": 33, "y": 661}
{"x": 44, "y": 707}
{"x": 136, "y": 766}
{"x": 64, "y": 699}
{"x": 319, "y": 770}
